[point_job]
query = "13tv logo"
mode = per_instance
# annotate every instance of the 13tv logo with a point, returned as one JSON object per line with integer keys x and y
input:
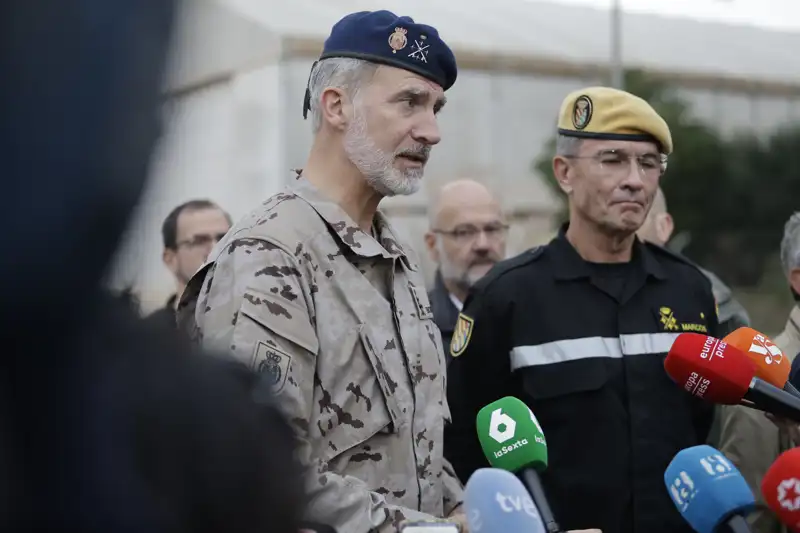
{"x": 682, "y": 490}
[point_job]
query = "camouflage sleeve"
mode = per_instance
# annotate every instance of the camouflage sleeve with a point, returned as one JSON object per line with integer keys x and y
{"x": 260, "y": 305}
{"x": 453, "y": 489}
{"x": 752, "y": 443}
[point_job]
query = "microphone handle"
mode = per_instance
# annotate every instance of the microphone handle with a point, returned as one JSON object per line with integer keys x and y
{"x": 791, "y": 389}
{"x": 534, "y": 486}
{"x": 737, "y": 524}
{"x": 774, "y": 400}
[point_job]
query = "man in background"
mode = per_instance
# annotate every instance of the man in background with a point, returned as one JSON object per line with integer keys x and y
{"x": 658, "y": 229}
{"x": 190, "y": 231}
{"x": 467, "y": 236}
{"x": 748, "y": 438}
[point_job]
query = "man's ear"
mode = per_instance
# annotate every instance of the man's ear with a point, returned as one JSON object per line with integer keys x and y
{"x": 561, "y": 171}
{"x": 794, "y": 279}
{"x": 430, "y": 244}
{"x": 664, "y": 227}
{"x": 335, "y": 108}
{"x": 170, "y": 259}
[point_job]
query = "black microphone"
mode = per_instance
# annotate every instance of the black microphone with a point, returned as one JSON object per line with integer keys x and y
{"x": 791, "y": 389}
{"x": 773, "y": 400}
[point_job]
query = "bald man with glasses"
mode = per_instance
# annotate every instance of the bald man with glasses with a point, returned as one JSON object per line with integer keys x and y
{"x": 467, "y": 236}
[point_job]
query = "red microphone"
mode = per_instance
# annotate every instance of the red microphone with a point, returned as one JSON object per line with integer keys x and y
{"x": 717, "y": 372}
{"x": 781, "y": 488}
{"x": 709, "y": 368}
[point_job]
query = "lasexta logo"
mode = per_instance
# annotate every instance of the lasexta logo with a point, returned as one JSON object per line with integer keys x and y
{"x": 501, "y": 426}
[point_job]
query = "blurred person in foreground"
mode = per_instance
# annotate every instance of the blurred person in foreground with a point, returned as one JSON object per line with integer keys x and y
{"x": 658, "y": 228}
{"x": 107, "y": 424}
{"x": 466, "y": 237}
{"x": 189, "y": 233}
{"x": 578, "y": 329}
{"x": 315, "y": 289}
{"x": 747, "y": 437}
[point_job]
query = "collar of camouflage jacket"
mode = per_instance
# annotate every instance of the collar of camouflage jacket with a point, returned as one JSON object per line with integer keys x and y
{"x": 349, "y": 233}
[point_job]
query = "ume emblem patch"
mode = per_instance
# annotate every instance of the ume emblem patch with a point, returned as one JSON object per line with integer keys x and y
{"x": 461, "y": 335}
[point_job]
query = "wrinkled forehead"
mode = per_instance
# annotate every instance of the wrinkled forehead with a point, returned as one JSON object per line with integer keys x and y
{"x": 392, "y": 79}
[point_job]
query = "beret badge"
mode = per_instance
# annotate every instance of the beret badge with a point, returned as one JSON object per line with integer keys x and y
{"x": 582, "y": 112}
{"x": 398, "y": 39}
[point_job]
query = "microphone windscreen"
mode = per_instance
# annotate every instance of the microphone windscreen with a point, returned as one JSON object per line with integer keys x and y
{"x": 771, "y": 364}
{"x": 709, "y": 368}
{"x": 781, "y": 488}
{"x": 496, "y": 501}
{"x": 707, "y": 488}
{"x": 510, "y": 436}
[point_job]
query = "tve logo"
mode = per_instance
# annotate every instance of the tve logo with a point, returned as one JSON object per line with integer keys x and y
{"x": 502, "y": 429}
{"x": 683, "y": 491}
{"x": 516, "y": 503}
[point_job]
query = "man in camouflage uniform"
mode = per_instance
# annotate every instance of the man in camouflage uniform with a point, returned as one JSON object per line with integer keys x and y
{"x": 315, "y": 289}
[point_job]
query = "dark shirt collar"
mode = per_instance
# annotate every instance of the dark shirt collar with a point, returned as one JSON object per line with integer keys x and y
{"x": 445, "y": 313}
{"x": 569, "y": 265}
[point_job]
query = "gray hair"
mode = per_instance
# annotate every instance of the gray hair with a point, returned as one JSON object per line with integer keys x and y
{"x": 344, "y": 73}
{"x": 567, "y": 145}
{"x": 790, "y": 244}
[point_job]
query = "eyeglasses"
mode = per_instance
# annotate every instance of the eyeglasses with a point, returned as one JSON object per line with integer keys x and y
{"x": 468, "y": 233}
{"x": 617, "y": 163}
{"x": 201, "y": 240}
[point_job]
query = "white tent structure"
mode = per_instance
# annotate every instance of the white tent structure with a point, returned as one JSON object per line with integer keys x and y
{"x": 240, "y": 67}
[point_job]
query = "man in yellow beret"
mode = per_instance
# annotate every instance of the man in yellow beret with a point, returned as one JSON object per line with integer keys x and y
{"x": 578, "y": 330}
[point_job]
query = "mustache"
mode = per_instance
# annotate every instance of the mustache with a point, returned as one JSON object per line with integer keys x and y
{"x": 484, "y": 260}
{"x": 422, "y": 152}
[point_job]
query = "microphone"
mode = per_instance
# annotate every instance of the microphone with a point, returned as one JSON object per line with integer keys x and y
{"x": 781, "y": 488}
{"x": 495, "y": 501}
{"x": 708, "y": 490}
{"x": 717, "y": 372}
{"x": 512, "y": 440}
{"x": 771, "y": 364}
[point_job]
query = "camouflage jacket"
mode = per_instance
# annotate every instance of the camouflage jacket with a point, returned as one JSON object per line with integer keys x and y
{"x": 342, "y": 324}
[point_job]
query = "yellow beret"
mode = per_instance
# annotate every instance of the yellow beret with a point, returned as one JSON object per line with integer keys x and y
{"x": 606, "y": 113}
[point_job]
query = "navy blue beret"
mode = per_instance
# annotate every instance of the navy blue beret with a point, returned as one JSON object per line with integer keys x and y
{"x": 383, "y": 37}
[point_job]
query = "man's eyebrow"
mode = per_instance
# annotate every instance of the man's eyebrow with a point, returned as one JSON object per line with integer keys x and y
{"x": 422, "y": 93}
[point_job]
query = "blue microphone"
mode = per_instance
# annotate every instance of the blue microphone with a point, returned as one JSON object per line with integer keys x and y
{"x": 708, "y": 490}
{"x": 495, "y": 501}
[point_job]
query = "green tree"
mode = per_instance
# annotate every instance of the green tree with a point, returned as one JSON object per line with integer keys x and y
{"x": 729, "y": 199}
